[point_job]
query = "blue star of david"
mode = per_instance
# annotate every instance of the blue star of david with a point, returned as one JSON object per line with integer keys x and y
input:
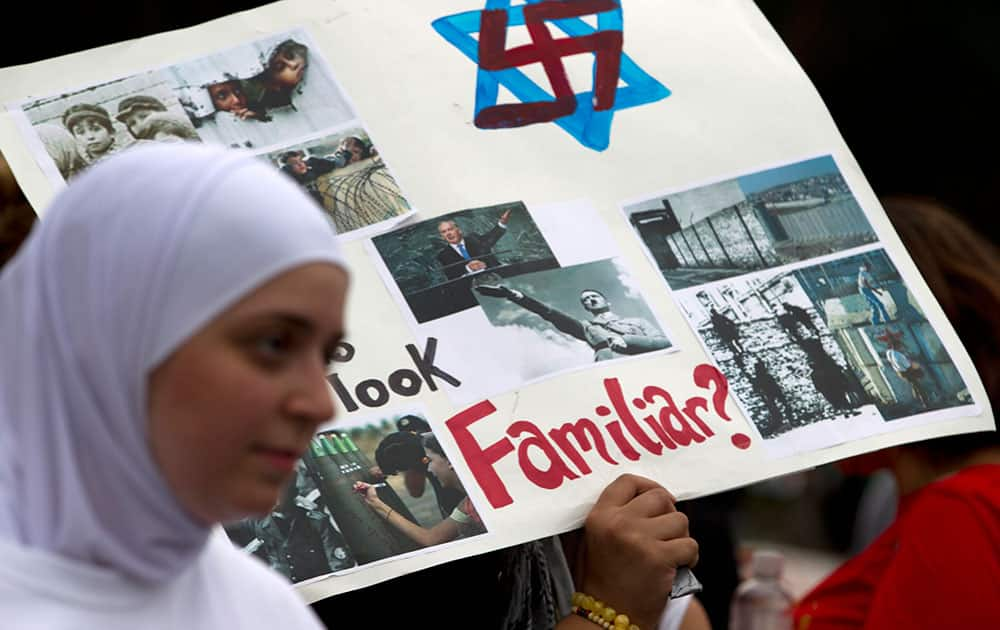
{"x": 589, "y": 127}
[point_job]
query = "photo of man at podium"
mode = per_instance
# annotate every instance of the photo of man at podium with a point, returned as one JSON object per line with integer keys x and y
{"x": 437, "y": 263}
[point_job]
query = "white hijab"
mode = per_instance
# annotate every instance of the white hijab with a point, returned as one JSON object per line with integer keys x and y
{"x": 134, "y": 257}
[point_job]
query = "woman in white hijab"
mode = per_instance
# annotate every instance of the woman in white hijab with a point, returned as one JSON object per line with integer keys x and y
{"x": 164, "y": 338}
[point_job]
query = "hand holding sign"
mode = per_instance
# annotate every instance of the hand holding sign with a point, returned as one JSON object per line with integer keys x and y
{"x": 635, "y": 542}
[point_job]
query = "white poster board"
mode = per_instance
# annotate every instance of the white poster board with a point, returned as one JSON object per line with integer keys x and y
{"x": 756, "y": 300}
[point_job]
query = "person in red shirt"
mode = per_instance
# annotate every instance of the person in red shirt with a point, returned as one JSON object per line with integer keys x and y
{"x": 938, "y": 564}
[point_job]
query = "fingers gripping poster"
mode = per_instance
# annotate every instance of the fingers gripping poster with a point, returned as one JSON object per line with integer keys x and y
{"x": 586, "y": 238}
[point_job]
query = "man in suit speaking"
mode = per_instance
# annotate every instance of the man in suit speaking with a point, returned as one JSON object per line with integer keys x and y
{"x": 466, "y": 254}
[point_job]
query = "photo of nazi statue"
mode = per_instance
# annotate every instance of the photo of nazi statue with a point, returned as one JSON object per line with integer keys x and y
{"x": 606, "y": 332}
{"x": 560, "y": 319}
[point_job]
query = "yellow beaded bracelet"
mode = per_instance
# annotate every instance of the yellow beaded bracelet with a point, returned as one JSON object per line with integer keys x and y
{"x": 598, "y": 612}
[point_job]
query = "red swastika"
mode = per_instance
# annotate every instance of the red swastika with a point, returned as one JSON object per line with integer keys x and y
{"x": 544, "y": 49}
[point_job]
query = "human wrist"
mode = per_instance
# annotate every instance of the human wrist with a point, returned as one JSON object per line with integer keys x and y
{"x": 601, "y": 613}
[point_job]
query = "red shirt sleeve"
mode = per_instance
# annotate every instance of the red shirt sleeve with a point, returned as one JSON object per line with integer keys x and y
{"x": 946, "y": 569}
{"x": 937, "y": 566}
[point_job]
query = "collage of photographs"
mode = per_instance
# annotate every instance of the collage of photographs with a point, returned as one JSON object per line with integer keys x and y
{"x": 778, "y": 272}
{"x": 275, "y": 97}
{"x": 791, "y": 294}
{"x": 367, "y": 491}
{"x": 519, "y": 294}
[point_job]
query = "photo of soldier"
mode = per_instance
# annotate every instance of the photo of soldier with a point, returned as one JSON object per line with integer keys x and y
{"x": 607, "y": 333}
{"x": 794, "y": 318}
{"x": 347, "y": 177}
{"x": 559, "y": 319}
{"x": 783, "y": 366}
{"x": 831, "y": 380}
{"x": 727, "y": 330}
{"x": 771, "y": 393}
{"x": 298, "y": 538}
{"x": 436, "y": 263}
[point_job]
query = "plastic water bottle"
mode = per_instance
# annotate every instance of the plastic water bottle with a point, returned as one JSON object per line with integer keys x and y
{"x": 760, "y": 602}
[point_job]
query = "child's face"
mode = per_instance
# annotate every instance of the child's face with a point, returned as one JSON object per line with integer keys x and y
{"x": 135, "y": 118}
{"x": 93, "y": 135}
{"x": 287, "y": 69}
{"x": 227, "y": 97}
{"x": 357, "y": 151}
{"x": 297, "y": 164}
{"x": 166, "y": 136}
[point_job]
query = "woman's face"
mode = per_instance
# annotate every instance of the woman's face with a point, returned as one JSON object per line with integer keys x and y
{"x": 443, "y": 470}
{"x": 233, "y": 408}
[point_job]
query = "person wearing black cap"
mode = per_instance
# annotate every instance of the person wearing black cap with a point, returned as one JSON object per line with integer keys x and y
{"x": 406, "y": 451}
{"x": 447, "y": 498}
{"x": 413, "y": 424}
{"x": 403, "y": 452}
{"x": 134, "y": 110}
{"x": 92, "y": 129}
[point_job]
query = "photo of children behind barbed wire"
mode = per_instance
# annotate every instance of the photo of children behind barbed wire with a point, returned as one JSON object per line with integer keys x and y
{"x": 80, "y": 128}
{"x": 344, "y": 173}
{"x": 750, "y": 223}
{"x": 262, "y": 93}
{"x": 560, "y": 319}
{"x": 884, "y": 335}
{"x": 363, "y": 493}
{"x": 435, "y": 263}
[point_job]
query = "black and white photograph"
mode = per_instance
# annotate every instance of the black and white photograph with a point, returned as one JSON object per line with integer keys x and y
{"x": 561, "y": 319}
{"x": 271, "y": 91}
{"x": 366, "y": 491}
{"x": 80, "y": 128}
{"x": 757, "y": 221}
{"x": 782, "y": 361}
{"x": 436, "y": 263}
{"x": 346, "y": 176}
